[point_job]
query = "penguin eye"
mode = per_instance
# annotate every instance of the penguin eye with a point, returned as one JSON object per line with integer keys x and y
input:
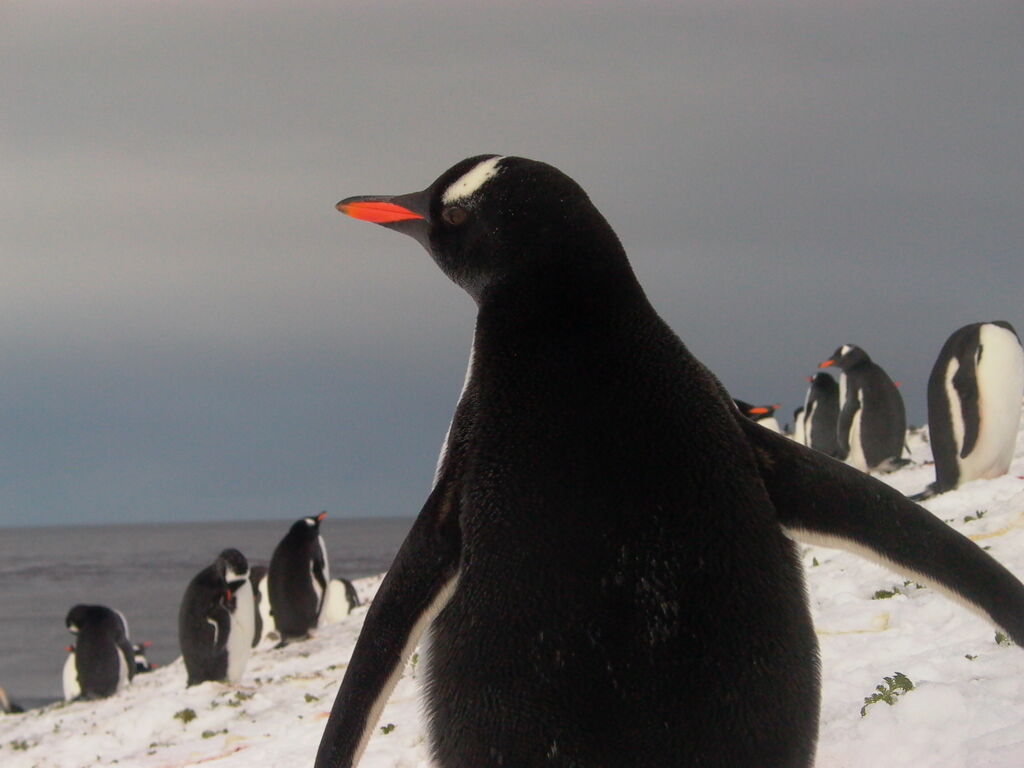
{"x": 455, "y": 216}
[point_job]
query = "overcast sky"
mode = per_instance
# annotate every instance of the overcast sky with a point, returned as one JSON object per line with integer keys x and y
{"x": 189, "y": 330}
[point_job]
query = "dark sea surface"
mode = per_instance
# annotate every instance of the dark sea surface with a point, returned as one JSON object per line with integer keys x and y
{"x": 141, "y": 570}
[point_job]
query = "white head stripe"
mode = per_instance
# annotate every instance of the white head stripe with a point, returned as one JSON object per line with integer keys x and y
{"x": 471, "y": 180}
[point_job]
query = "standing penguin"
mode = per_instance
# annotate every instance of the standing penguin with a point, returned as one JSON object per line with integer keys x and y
{"x": 821, "y": 414}
{"x": 264, "y": 624}
{"x": 872, "y": 423}
{"x": 607, "y": 538}
{"x": 762, "y": 414}
{"x": 298, "y": 576}
{"x": 101, "y": 661}
{"x": 216, "y": 620}
{"x": 974, "y": 404}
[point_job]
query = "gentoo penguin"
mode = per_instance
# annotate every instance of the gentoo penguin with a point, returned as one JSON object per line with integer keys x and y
{"x": 341, "y": 599}
{"x": 821, "y": 414}
{"x": 872, "y": 424}
{"x": 216, "y": 620}
{"x": 142, "y": 664}
{"x": 264, "y": 624}
{"x": 762, "y": 414}
{"x": 101, "y": 661}
{"x": 607, "y": 538}
{"x": 298, "y": 576}
{"x": 974, "y": 404}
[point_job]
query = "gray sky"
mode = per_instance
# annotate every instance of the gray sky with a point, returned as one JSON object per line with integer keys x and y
{"x": 188, "y": 330}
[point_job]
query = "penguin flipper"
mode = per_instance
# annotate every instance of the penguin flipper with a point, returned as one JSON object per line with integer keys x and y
{"x": 821, "y": 501}
{"x": 849, "y": 410}
{"x": 965, "y": 382}
{"x": 419, "y": 583}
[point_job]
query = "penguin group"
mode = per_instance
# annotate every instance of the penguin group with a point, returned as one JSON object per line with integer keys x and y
{"x": 227, "y": 609}
{"x": 230, "y": 607}
{"x": 596, "y": 485}
{"x": 974, "y": 408}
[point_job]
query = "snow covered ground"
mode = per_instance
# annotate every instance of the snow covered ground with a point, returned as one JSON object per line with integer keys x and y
{"x": 966, "y": 706}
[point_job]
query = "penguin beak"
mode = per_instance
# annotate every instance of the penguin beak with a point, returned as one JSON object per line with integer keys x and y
{"x": 376, "y": 210}
{"x": 758, "y": 410}
{"x": 408, "y": 214}
{"x": 320, "y": 517}
{"x": 826, "y": 364}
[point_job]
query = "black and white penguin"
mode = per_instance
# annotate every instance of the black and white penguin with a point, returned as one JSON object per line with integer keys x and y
{"x": 101, "y": 661}
{"x": 821, "y": 414}
{"x": 762, "y": 414}
{"x": 298, "y": 576}
{"x": 974, "y": 404}
{"x": 263, "y": 623}
{"x": 216, "y": 620}
{"x": 340, "y": 601}
{"x": 596, "y": 493}
{"x": 872, "y": 423}
{"x": 142, "y": 663}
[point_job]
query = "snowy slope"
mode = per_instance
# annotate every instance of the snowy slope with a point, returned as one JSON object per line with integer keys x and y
{"x": 967, "y": 706}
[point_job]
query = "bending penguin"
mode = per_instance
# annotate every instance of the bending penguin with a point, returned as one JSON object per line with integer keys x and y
{"x": 974, "y": 404}
{"x": 821, "y": 414}
{"x": 340, "y": 601}
{"x": 216, "y": 620}
{"x": 596, "y": 489}
{"x": 101, "y": 662}
{"x": 297, "y": 579}
{"x": 872, "y": 422}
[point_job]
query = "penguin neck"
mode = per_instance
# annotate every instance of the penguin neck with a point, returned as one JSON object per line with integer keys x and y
{"x": 558, "y": 302}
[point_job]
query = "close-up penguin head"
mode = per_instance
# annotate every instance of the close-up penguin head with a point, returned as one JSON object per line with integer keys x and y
{"x": 491, "y": 217}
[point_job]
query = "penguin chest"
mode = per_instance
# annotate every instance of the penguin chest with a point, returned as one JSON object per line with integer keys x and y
{"x": 243, "y": 627}
{"x": 70, "y": 678}
{"x": 1000, "y": 379}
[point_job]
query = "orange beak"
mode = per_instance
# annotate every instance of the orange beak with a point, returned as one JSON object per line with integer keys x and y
{"x": 826, "y": 364}
{"x": 376, "y": 211}
{"x": 321, "y": 516}
{"x": 759, "y": 410}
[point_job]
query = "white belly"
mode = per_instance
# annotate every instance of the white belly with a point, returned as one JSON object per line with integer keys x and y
{"x": 243, "y": 627}
{"x": 1000, "y": 381}
{"x": 71, "y": 686}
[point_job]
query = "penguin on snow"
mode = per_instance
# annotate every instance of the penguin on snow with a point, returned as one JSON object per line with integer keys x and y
{"x": 821, "y": 414}
{"x": 872, "y": 422}
{"x": 101, "y": 662}
{"x": 142, "y": 663}
{"x": 216, "y": 620}
{"x": 595, "y": 494}
{"x": 974, "y": 404}
{"x": 297, "y": 579}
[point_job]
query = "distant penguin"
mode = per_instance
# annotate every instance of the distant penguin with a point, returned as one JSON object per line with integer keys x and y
{"x": 974, "y": 404}
{"x": 264, "y": 623}
{"x": 596, "y": 490}
{"x": 101, "y": 661}
{"x": 821, "y": 414}
{"x": 762, "y": 414}
{"x": 872, "y": 423}
{"x": 142, "y": 664}
{"x": 340, "y": 601}
{"x": 216, "y": 620}
{"x": 799, "y": 433}
{"x": 299, "y": 573}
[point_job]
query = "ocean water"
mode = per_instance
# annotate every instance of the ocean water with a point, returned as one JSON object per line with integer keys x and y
{"x": 141, "y": 570}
